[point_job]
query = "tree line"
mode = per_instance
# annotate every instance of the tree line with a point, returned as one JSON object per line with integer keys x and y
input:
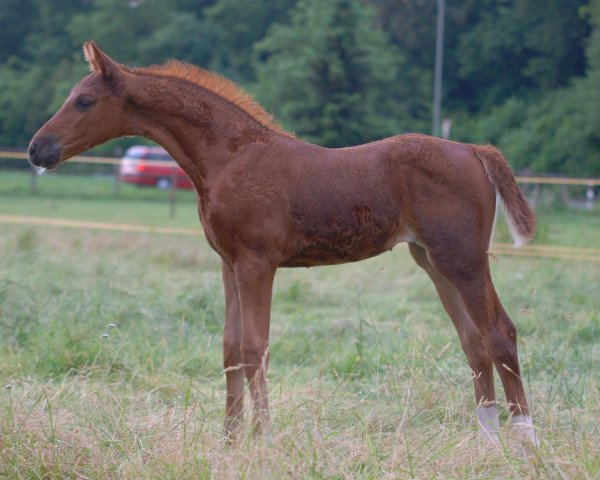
{"x": 522, "y": 74}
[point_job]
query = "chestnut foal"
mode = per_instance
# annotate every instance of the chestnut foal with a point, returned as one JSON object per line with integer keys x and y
{"x": 267, "y": 199}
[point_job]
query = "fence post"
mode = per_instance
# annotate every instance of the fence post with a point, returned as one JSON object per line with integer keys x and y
{"x": 117, "y": 185}
{"x": 33, "y": 183}
{"x": 172, "y": 192}
{"x": 589, "y": 197}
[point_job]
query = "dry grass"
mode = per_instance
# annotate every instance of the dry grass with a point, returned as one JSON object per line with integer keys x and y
{"x": 367, "y": 379}
{"x": 84, "y": 429}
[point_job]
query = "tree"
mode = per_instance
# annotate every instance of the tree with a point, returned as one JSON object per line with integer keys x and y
{"x": 518, "y": 48}
{"x": 339, "y": 72}
{"x": 33, "y": 76}
{"x": 411, "y": 25}
{"x": 235, "y": 27}
{"x": 183, "y": 36}
{"x": 14, "y": 26}
{"x": 555, "y": 130}
{"x": 118, "y": 26}
{"x": 330, "y": 73}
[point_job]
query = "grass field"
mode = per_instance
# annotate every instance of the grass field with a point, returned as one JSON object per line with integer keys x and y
{"x": 367, "y": 379}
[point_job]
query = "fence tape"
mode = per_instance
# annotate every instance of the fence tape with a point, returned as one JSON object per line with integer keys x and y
{"x": 590, "y": 182}
{"x": 123, "y": 227}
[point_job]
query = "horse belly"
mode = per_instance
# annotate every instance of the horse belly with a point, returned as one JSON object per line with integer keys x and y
{"x": 345, "y": 238}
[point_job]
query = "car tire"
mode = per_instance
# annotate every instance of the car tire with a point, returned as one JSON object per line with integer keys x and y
{"x": 163, "y": 183}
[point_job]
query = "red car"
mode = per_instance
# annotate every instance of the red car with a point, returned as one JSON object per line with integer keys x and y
{"x": 152, "y": 166}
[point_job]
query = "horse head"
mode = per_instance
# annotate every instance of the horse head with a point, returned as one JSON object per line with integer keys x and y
{"x": 93, "y": 113}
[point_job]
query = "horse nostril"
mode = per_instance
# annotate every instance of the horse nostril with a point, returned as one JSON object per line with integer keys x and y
{"x": 32, "y": 149}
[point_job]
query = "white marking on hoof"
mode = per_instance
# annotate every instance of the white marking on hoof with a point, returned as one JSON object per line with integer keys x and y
{"x": 487, "y": 418}
{"x": 523, "y": 424}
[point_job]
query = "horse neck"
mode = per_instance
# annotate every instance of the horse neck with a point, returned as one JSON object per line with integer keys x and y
{"x": 202, "y": 131}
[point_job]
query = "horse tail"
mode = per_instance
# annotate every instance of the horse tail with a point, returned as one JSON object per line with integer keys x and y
{"x": 519, "y": 215}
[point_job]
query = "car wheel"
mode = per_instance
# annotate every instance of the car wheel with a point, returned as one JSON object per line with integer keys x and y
{"x": 163, "y": 183}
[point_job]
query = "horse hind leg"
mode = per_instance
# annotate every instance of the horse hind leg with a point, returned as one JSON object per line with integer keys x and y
{"x": 504, "y": 342}
{"x": 472, "y": 344}
{"x": 468, "y": 272}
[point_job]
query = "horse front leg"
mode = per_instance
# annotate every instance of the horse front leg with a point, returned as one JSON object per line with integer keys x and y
{"x": 254, "y": 278}
{"x": 232, "y": 353}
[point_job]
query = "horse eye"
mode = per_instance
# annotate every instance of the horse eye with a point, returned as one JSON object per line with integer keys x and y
{"x": 83, "y": 103}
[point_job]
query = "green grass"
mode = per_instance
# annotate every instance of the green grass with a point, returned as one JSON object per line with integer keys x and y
{"x": 562, "y": 227}
{"x": 367, "y": 379}
{"x": 64, "y": 185}
{"x": 93, "y": 198}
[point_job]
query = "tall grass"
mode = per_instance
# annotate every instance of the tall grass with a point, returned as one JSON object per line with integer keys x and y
{"x": 367, "y": 379}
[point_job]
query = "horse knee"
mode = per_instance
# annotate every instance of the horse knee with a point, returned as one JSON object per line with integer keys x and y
{"x": 504, "y": 330}
{"x": 510, "y": 329}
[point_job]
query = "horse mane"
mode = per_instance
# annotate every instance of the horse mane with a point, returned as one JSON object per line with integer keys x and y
{"x": 217, "y": 84}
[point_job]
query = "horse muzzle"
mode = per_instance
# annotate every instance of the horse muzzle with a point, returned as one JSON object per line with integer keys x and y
{"x": 44, "y": 152}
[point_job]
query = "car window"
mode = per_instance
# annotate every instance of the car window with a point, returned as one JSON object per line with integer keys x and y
{"x": 158, "y": 156}
{"x": 134, "y": 153}
{"x": 141, "y": 153}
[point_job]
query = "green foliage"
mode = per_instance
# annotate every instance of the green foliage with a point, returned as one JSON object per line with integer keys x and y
{"x": 236, "y": 27}
{"x": 516, "y": 48}
{"x": 339, "y": 72}
{"x": 11, "y": 31}
{"x": 552, "y": 132}
{"x": 182, "y": 33}
{"x": 329, "y": 73}
{"x": 117, "y": 25}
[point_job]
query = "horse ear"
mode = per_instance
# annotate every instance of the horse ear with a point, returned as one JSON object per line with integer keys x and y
{"x": 99, "y": 61}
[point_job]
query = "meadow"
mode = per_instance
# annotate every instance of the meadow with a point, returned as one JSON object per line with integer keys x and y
{"x": 111, "y": 356}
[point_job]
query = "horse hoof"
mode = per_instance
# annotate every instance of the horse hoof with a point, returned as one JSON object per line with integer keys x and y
{"x": 523, "y": 427}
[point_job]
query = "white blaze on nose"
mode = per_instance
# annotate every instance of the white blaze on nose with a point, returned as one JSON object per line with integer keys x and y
{"x": 39, "y": 171}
